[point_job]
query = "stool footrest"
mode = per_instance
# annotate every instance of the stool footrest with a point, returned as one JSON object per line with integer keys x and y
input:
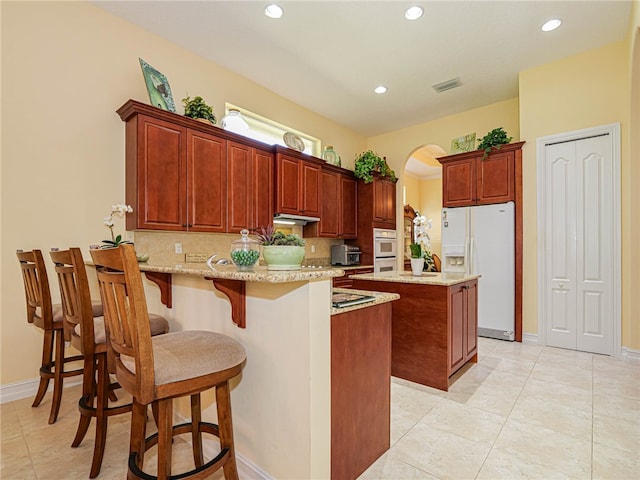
{"x": 200, "y": 472}
{"x": 89, "y": 410}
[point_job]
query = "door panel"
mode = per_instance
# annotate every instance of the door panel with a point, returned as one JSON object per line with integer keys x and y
{"x": 594, "y": 164}
{"x": 561, "y": 229}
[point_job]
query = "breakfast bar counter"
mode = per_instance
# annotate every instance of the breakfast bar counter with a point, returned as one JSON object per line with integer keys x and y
{"x": 298, "y": 387}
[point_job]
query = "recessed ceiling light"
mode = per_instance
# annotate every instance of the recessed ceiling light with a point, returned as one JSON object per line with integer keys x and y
{"x": 380, "y": 89}
{"x": 413, "y": 13}
{"x": 273, "y": 11}
{"x": 551, "y": 25}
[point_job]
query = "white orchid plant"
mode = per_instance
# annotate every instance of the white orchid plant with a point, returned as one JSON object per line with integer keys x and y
{"x": 119, "y": 210}
{"x": 421, "y": 237}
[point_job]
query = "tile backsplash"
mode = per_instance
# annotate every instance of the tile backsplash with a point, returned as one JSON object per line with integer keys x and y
{"x": 161, "y": 246}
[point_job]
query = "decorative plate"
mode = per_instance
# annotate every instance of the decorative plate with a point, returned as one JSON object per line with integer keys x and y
{"x": 293, "y": 141}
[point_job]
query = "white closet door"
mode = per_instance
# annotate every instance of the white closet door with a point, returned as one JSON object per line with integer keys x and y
{"x": 579, "y": 308}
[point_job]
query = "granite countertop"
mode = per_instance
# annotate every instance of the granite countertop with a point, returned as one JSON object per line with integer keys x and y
{"x": 381, "y": 297}
{"x": 231, "y": 272}
{"x": 427, "y": 278}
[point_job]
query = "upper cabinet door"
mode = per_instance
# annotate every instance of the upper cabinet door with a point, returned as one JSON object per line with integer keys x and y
{"x": 239, "y": 174}
{"x": 288, "y": 186}
{"x": 349, "y": 211}
{"x": 459, "y": 182}
{"x": 330, "y": 213}
{"x": 495, "y": 178}
{"x": 207, "y": 182}
{"x": 310, "y": 189}
{"x": 156, "y": 175}
{"x": 263, "y": 188}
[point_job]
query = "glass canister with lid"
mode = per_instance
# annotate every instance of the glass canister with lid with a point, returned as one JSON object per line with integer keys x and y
{"x": 245, "y": 251}
{"x": 330, "y": 156}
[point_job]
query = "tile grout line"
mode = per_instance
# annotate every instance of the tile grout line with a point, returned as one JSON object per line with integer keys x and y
{"x": 508, "y": 415}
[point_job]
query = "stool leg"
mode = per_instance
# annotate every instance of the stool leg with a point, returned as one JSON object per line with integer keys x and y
{"x": 88, "y": 394}
{"x": 47, "y": 359}
{"x": 165, "y": 433}
{"x": 57, "y": 376}
{"x": 223, "y": 402}
{"x": 196, "y": 435}
{"x": 138, "y": 431}
{"x": 102, "y": 402}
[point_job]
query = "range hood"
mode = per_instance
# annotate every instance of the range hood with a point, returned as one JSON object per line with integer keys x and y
{"x": 287, "y": 219}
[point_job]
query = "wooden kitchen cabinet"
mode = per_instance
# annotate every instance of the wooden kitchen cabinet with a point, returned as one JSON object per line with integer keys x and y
{"x": 182, "y": 174}
{"x": 376, "y": 209}
{"x": 467, "y": 179}
{"x": 174, "y": 177}
{"x": 338, "y": 206}
{"x": 434, "y": 328}
{"x": 463, "y": 324}
{"x": 250, "y": 184}
{"x": 297, "y": 185}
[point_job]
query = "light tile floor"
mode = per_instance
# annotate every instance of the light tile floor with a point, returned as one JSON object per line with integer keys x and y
{"x": 522, "y": 412}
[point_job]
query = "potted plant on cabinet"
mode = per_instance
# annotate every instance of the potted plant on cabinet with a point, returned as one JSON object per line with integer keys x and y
{"x": 198, "y": 110}
{"x": 281, "y": 251}
{"x": 494, "y": 139}
{"x": 368, "y": 163}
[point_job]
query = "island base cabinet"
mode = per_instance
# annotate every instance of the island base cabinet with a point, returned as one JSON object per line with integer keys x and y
{"x": 434, "y": 329}
{"x": 360, "y": 389}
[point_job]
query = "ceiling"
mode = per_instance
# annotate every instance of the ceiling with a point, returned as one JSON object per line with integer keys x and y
{"x": 328, "y": 56}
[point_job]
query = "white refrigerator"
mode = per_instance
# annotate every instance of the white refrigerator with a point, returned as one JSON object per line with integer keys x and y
{"x": 481, "y": 240}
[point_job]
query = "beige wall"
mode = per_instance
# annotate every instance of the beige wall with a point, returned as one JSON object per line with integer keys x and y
{"x": 578, "y": 92}
{"x": 66, "y": 68}
{"x": 630, "y": 190}
{"x": 431, "y": 206}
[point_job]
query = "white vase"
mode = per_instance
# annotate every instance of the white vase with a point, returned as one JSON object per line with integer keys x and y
{"x": 417, "y": 264}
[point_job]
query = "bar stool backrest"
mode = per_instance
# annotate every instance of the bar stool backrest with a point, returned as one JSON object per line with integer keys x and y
{"x": 127, "y": 318}
{"x": 36, "y": 289}
{"x": 76, "y": 296}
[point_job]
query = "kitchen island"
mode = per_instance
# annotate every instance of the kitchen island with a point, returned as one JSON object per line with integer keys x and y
{"x": 283, "y": 406}
{"x": 434, "y": 323}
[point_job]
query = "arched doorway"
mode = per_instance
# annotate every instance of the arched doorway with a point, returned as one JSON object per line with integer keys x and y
{"x": 422, "y": 190}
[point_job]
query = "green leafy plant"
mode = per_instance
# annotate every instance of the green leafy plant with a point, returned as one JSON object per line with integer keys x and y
{"x": 368, "y": 163}
{"x": 416, "y": 250}
{"x": 494, "y": 139}
{"x": 197, "y": 108}
{"x": 269, "y": 236}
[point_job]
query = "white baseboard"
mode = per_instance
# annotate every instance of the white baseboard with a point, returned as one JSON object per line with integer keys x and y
{"x": 28, "y": 388}
{"x": 530, "y": 338}
{"x": 630, "y": 353}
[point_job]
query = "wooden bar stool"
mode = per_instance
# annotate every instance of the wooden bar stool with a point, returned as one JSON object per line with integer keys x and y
{"x": 48, "y": 317}
{"x": 87, "y": 334}
{"x": 157, "y": 370}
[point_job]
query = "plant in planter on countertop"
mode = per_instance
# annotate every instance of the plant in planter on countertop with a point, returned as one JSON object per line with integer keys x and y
{"x": 281, "y": 251}
{"x": 197, "y": 109}
{"x": 268, "y": 236}
{"x": 369, "y": 162}
{"x": 416, "y": 250}
{"x": 494, "y": 139}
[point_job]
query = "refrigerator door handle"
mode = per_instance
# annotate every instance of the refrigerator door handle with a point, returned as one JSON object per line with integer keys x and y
{"x": 470, "y": 268}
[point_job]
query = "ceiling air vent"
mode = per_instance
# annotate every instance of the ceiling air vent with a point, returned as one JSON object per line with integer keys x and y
{"x": 448, "y": 85}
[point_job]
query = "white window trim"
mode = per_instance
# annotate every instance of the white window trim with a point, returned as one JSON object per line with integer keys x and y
{"x": 268, "y": 131}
